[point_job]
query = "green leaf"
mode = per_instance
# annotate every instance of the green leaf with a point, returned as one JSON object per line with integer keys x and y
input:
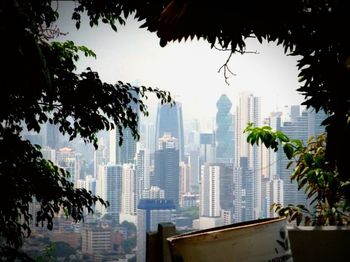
{"x": 288, "y": 150}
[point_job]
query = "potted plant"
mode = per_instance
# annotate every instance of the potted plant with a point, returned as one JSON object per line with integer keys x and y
{"x": 327, "y": 191}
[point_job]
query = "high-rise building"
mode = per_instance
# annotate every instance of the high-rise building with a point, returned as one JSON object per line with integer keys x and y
{"x": 166, "y": 167}
{"x": 67, "y": 159}
{"x": 276, "y": 195}
{"x": 101, "y": 156}
{"x": 247, "y": 182}
{"x": 248, "y": 111}
{"x": 193, "y": 160}
{"x": 185, "y": 176}
{"x": 142, "y": 171}
{"x": 169, "y": 120}
{"x": 226, "y": 187}
{"x": 207, "y": 147}
{"x": 128, "y": 208}
{"x": 237, "y": 194}
{"x": 112, "y": 190}
{"x": 210, "y": 191}
{"x": 52, "y": 136}
{"x": 224, "y": 131}
{"x": 308, "y": 123}
{"x": 147, "y": 136}
{"x": 151, "y": 212}
{"x": 125, "y": 153}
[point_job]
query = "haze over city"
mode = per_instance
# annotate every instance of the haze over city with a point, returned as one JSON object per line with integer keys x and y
{"x": 189, "y": 70}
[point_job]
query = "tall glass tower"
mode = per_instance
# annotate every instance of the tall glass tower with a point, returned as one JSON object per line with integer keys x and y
{"x": 166, "y": 168}
{"x": 224, "y": 131}
{"x": 169, "y": 120}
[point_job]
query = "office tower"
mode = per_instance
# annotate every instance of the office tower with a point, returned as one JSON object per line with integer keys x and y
{"x": 169, "y": 120}
{"x": 296, "y": 129}
{"x": 166, "y": 167}
{"x": 128, "y": 208}
{"x": 185, "y": 176}
{"x": 147, "y": 136}
{"x": 237, "y": 194}
{"x": 151, "y": 212}
{"x": 210, "y": 191}
{"x": 193, "y": 160}
{"x": 52, "y": 136}
{"x": 248, "y": 111}
{"x": 112, "y": 190}
{"x": 247, "y": 183}
{"x": 125, "y": 153}
{"x": 307, "y": 123}
{"x": 67, "y": 159}
{"x": 142, "y": 171}
{"x": 226, "y": 187}
{"x": 207, "y": 147}
{"x": 224, "y": 131}
{"x": 276, "y": 195}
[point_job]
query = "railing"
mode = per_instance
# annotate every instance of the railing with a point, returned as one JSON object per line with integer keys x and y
{"x": 307, "y": 243}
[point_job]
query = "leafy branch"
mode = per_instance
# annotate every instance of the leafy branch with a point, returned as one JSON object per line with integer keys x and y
{"x": 313, "y": 173}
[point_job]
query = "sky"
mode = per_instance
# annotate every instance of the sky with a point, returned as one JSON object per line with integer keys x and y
{"x": 189, "y": 70}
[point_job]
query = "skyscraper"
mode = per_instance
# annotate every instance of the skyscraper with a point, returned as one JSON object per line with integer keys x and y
{"x": 52, "y": 136}
{"x": 169, "y": 120}
{"x": 224, "y": 131}
{"x": 247, "y": 182}
{"x": 207, "y": 147}
{"x": 193, "y": 160}
{"x": 113, "y": 190}
{"x": 275, "y": 188}
{"x": 166, "y": 167}
{"x": 304, "y": 125}
{"x": 248, "y": 111}
{"x": 210, "y": 191}
{"x": 128, "y": 195}
{"x": 125, "y": 153}
{"x": 142, "y": 171}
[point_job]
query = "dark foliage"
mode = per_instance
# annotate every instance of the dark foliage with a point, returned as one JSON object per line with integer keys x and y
{"x": 39, "y": 85}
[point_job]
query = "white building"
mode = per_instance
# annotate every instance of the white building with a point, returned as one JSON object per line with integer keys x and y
{"x": 248, "y": 111}
{"x": 275, "y": 190}
{"x": 128, "y": 208}
{"x": 210, "y": 191}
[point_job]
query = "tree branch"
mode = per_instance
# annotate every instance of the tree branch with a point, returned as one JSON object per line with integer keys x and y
{"x": 225, "y": 66}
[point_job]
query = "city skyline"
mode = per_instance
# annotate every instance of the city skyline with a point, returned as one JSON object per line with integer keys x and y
{"x": 189, "y": 70}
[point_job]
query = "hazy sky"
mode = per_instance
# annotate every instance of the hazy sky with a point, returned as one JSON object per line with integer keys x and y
{"x": 188, "y": 69}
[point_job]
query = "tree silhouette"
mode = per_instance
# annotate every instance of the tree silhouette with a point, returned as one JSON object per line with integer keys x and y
{"x": 39, "y": 85}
